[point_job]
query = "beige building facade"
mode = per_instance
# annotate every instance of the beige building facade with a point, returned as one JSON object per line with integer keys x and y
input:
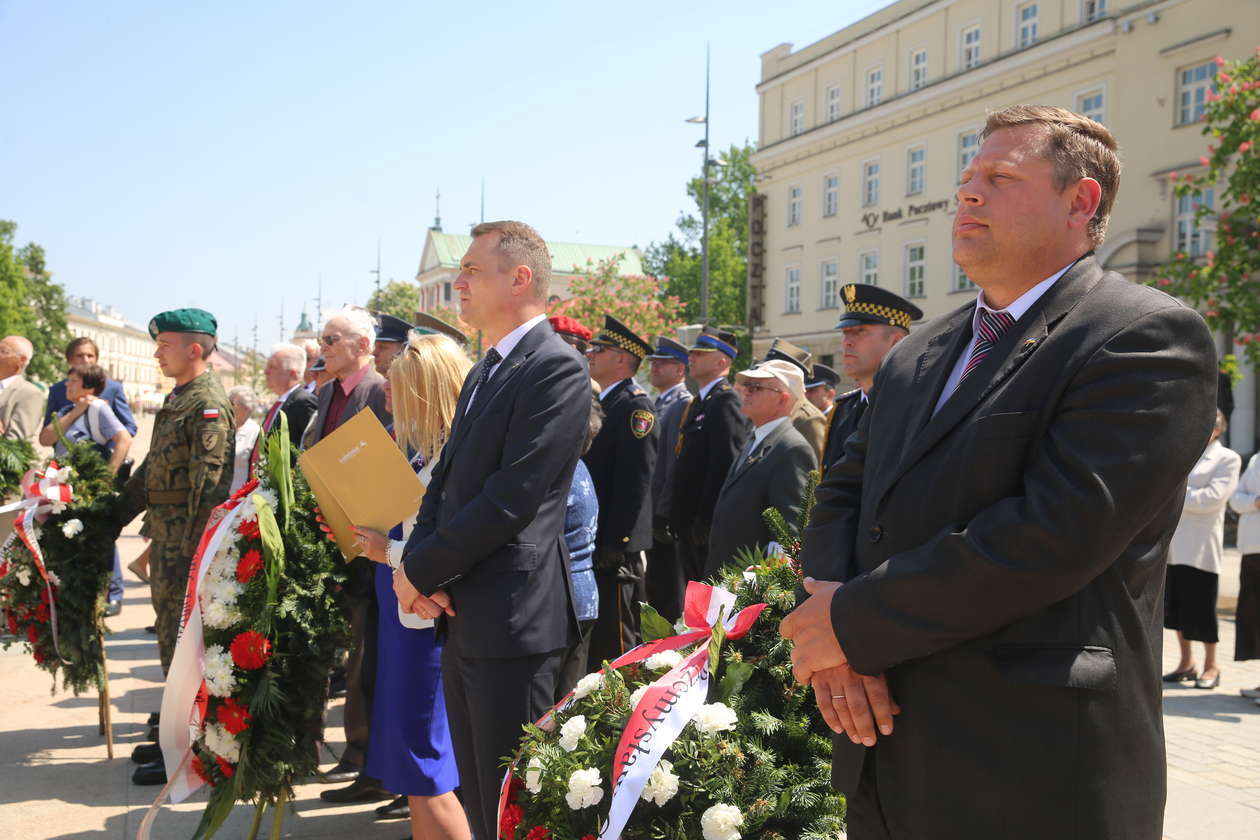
{"x": 126, "y": 349}
{"x": 863, "y": 134}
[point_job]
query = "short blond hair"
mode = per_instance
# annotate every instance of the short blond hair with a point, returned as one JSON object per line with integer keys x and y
{"x": 520, "y": 244}
{"x": 424, "y": 383}
{"x": 1077, "y": 146}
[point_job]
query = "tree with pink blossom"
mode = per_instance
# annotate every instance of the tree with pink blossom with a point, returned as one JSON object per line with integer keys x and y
{"x": 638, "y": 301}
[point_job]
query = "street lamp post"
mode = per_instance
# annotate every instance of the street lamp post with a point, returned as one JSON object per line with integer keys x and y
{"x": 704, "y": 213}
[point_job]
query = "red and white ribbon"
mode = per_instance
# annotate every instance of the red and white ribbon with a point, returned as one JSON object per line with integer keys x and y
{"x": 43, "y": 493}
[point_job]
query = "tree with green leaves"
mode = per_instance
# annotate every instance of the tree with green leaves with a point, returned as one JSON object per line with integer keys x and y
{"x": 32, "y": 305}
{"x": 1222, "y": 277}
{"x": 399, "y": 298}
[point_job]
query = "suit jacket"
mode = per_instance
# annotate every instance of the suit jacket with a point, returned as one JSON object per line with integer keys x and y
{"x": 491, "y": 527}
{"x": 713, "y": 430}
{"x": 298, "y": 410}
{"x": 113, "y": 394}
{"x": 842, "y": 421}
{"x": 668, "y": 421}
{"x": 773, "y": 475}
{"x": 20, "y": 405}
{"x": 620, "y": 461}
{"x": 812, "y": 425}
{"x": 369, "y": 393}
{"x": 1005, "y": 561}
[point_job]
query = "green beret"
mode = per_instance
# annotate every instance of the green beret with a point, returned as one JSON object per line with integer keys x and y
{"x": 184, "y": 321}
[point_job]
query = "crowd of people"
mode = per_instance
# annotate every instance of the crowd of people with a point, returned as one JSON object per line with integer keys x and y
{"x": 995, "y": 517}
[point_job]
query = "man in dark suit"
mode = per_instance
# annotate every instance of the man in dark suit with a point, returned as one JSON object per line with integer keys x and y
{"x": 664, "y": 581}
{"x": 487, "y": 552}
{"x": 347, "y": 338}
{"x": 283, "y": 373}
{"x": 874, "y": 321}
{"x": 1002, "y": 519}
{"x": 620, "y": 461}
{"x": 712, "y": 432}
{"x": 805, "y": 416}
{"x": 771, "y": 469}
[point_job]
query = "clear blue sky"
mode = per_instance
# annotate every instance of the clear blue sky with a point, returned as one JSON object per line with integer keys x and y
{"x": 229, "y": 155}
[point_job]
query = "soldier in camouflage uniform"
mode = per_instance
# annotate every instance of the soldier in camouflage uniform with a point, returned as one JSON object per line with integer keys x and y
{"x": 186, "y": 474}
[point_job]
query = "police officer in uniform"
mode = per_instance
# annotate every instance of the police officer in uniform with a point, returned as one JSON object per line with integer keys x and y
{"x": 666, "y": 585}
{"x": 186, "y": 474}
{"x": 620, "y": 461}
{"x": 820, "y": 389}
{"x": 805, "y": 416}
{"x": 712, "y": 433}
{"x": 391, "y": 338}
{"x": 874, "y": 321}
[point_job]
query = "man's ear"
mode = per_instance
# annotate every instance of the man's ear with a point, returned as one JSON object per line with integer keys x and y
{"x": 522, "y": 280}
{"x": 1086, "y": 196}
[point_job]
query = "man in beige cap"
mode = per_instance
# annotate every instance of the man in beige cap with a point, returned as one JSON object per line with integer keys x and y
{"x": 771, "y": 469}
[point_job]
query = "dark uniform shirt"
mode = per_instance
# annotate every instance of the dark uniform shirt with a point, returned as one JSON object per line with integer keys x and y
{"x": 713, "y": 431}
{"x": 620, "y": 461}
{"x": 843, "y": 421}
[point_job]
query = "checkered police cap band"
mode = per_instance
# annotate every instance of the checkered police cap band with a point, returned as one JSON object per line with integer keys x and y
{"x": 893, "y": 316}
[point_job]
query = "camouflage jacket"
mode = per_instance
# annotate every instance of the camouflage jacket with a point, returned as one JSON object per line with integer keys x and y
{"x": 189, "y": 466}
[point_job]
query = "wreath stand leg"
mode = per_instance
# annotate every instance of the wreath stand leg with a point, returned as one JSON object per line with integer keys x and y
{"x": 278, "y": 818}
{"x": 103, "y": 706}
{"x": 257, "y": 823}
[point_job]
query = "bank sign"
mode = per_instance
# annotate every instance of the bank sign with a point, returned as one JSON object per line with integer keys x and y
{"x": 877, "y": 217}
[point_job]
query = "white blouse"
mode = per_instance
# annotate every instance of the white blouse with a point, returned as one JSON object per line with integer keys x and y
{"x": 1199, "y": 539}
{"x": 1244, "y": 504}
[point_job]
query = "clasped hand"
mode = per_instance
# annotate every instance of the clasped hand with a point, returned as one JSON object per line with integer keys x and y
{"x": 852, "y": 704}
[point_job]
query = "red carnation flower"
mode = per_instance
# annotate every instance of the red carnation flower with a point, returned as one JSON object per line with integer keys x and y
{"x": 199, "y": 767}
{"x": 512, "y": 816}
{"x": 246, "y": 488}
{"x": 224, "y": 767}
{"x": 248, "y": 529}
{"x": 250, "y": 650}
{"x": 538, "y": 832}
{"x": 234, "y": 716}
{"x": 248, "y": 566}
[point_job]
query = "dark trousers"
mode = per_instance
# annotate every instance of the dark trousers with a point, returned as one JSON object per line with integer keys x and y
{"x": 573, "y": 664}
{"x": 620, "y": 591}
{"x": 865, "y": 813}
{"x": 360, "y": 673}
{"x": 664, "y": 581}
{"x": 487, "y": 701}
{"x": 693, "y": 554}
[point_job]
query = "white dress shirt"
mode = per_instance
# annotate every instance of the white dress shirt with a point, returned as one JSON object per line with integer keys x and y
{"x": 704, "y": 392}
{"x": 505, "y": 346}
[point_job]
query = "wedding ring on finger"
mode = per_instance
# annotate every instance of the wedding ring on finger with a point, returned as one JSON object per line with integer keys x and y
{"x": 837, "y": 697}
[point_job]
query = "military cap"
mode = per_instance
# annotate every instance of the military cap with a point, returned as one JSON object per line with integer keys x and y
{"x": 569, "y": 326}
{"x": 786, "y": 351}
{"x": 319, "y": 364}
{"x": 822, "y": 375}
{"x": 715, "y": 339}
{"x": 617, "y": 334}
{"x": 390, "y": 328}
{"x": 865, "y": 304}
{"x": 667, "y": 348}
{"x": 429, "y": 324}
{"x": 183, "y": 321}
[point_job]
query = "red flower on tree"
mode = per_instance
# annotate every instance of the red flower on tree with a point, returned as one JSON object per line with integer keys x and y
{"x": 224, "y": 767}
{"x": 234, "y": 716}
{"x": 250, "y": 650}
{"x": 249, "y": 565}
{"x": 248, "y": 529}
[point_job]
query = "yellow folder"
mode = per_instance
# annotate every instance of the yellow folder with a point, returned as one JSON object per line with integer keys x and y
{"x": 360, "y": 477}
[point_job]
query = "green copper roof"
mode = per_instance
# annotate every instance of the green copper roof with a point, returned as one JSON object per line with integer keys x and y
{"x": 450, "y": 247}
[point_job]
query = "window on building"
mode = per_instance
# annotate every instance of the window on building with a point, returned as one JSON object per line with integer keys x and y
{"x": 970, "y": 47}
{"x": 1192, "y": 90}
{"x": 874, "y": 86}
{"x": 794, "y": 206}
{"x": 870, "y": 183}
{"x": 1026, "y": 20}
{"x": 446, "y": 292}
{"x": 831, "y": 195}
{"x": 1093, "y": 9}
{"x": 915, "y": 163}
{"x": 868, "y": 268}
{"x": 833, "y": 103}
{"x": 961, "y": 282}
{"x": 915, "y": 269}
{"x": 829, "y": 283}
{"x": 1193, "y": 238}
{"x": 792, "y": 291}
{"x": 918, "y": 69}
{"x": 1090, "y": 104}
{"x": 968, "y": 148}
{"x": 796, "y": 118}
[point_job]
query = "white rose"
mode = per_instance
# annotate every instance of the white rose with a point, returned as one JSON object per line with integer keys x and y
{"x": 573, "y": 729}
{"x": 589, "y": 683}
{"x": 533, "y": 775}
{"x": 24, "y": 576}
{"x": 221, "y": 742}
{"x": 661, "y": 785}
{"x": 663, "y": 661}
{"x": 217, "y": 670}
{"x": 720, "y": 822}
{"x": 584, "y": 789}
{"x": 638, "y": 695}
{"x": 72, "y": 528}
{"x": 715, "y": 717}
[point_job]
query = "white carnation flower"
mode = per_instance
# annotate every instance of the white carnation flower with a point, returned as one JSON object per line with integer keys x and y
{"x": 217, "y": 670}
{"x": 584, "y": 789}
{"x": 715, "y": 717}
{"x": 637, "y": 695}
{"x": 663, "y": 660}
{"x": 573, "y": 729}
{"x": 533, "y": 775}
{"x": 220, "y": 615}
{"x": 661, "y": 785}
{"x": 57, "y": 506}
{"x": 589, "y": 683}
{"x": 248, "y": 513}
{"x": 53, "y": 579}
{"x": 72, "y": 528}
{"x": 720, "y": 822}
{"x": 24, "y": 576}
{"x": 223, "y": 743}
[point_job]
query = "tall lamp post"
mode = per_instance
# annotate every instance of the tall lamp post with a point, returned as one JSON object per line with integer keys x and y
{"x": 704, "y": 229}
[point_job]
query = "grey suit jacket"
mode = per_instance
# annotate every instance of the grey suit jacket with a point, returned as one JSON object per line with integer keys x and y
{"x": 21, "y": 406}
{"x": 773, "y": 475}
{"x": 369, "y": 393}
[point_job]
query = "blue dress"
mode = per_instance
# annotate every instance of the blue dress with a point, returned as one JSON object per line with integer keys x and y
{"x": 409, "y": 749}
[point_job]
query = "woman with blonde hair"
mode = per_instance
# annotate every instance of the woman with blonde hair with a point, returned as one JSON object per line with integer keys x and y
{"x": 410, "y": 748}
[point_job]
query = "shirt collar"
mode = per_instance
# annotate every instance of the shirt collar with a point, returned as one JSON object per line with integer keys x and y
{"x": 508, "y": 343}
{"x": 672, "y": 391}
{"x": 763, "y": 431}
{"x": 608, "y": 390}
{"x": 280, "y": 399}
{"x": 704, "y": 392}
{"x": 1021, "y": 304}
{"x": 352, "y": 381}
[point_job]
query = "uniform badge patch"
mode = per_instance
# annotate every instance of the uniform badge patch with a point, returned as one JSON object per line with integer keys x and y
{"x": 210, "y": 414}
{"x": 641, "y": 422}
{"x": 210, "y": 440}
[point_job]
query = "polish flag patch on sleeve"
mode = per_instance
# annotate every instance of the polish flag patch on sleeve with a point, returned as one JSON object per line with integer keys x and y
{"x": 210, "y": 414}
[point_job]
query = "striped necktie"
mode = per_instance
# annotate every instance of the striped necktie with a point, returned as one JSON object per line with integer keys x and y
{"x": 988, "y": 333}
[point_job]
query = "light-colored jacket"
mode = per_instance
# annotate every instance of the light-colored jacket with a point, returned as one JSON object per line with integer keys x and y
{"x": 1198, "y": 541}
{"x": 1244, "y": 504}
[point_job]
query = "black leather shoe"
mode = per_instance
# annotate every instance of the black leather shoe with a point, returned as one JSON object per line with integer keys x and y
{"x": 154, "y": 718}
{"x": 343, "y": 772}
{"x": 146, "y": 753}
{"x": 1187, "y": 675}
{"x": 396, "y": 810}
{"x": 153, "y": 734}
{"x": 153, "y": 773}
{"x": 362, "y": 789}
